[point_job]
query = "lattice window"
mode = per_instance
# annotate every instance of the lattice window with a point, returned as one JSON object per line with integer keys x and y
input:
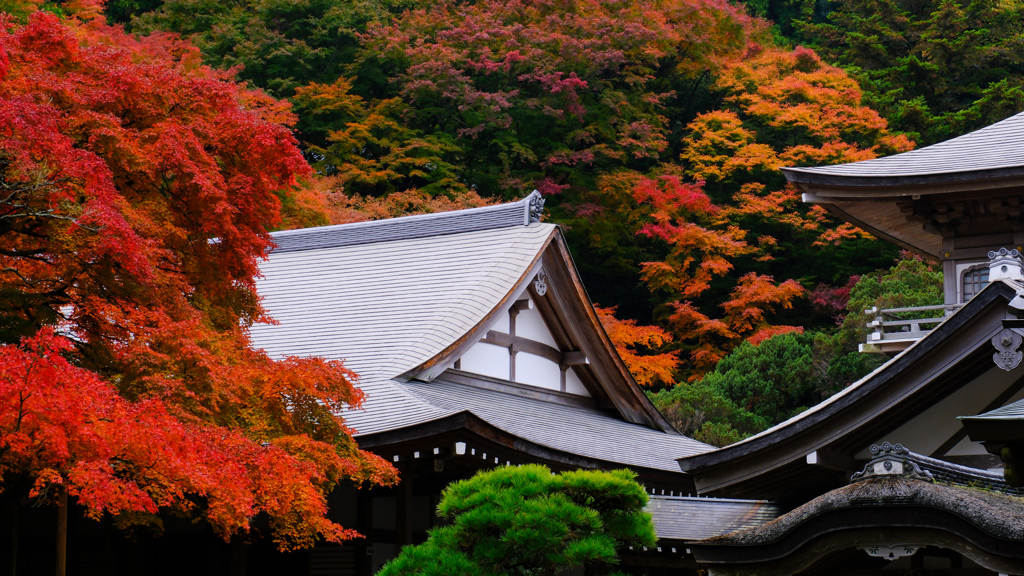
{"x": 973, "y": 280}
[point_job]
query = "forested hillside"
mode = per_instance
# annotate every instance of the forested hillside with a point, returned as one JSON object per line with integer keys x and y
{"x": 655, "y": 130}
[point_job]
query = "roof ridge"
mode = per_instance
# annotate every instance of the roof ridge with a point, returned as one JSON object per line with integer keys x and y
{"x": 520, "y": 213}
{"x": 937, "y": 160}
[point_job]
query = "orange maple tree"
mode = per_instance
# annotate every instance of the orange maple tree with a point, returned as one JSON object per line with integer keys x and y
{"x": 701, "y": 248}
{"x": 137, "y": 191}
{"x": 783, "y": 108}
{"x": 638, "y": 347}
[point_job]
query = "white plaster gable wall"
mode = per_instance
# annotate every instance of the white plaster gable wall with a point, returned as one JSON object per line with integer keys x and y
{"x": 929, "y": 430}
{"x": 486, "y": 360}
{"x": 573, "y": 384}
{"x": 537, "y": 371}
{"x": 529, "y": 324}
{"x": 494, "y": 361}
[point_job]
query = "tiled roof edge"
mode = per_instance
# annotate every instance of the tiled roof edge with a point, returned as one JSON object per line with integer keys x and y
{"x": 520, "y": 213}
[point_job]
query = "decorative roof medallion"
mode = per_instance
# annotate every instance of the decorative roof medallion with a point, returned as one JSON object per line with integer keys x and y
{"x": 891, "y": 460}
{"x": 540, "y": 283}
{"x": 1006, "y": 342}
{"x": 1005, "y": 265}
{"x": 536, "y": 207}
{"x": 891, "y": 552}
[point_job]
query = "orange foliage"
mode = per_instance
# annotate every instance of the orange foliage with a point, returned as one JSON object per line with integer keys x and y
{"x": 322, "y": 200}
{"x": 702, "y": 247}
{"x": 784, "y": 108}
{"x": 753, "y": 296}
{"x": 631, "y": 340}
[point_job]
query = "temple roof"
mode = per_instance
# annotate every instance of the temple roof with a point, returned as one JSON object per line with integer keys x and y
{"x": 388, "y": 306}
{"x": 987, "y": 527}
{"x": 693, "y": 518}
{"x": 969, "y": 186}
{"x": 773, "y": 462}
{"x": 993, "y": 151}
{"x": 582, "y": 430}
{"x": 399, "y": 301}
{"x": 1014, "y": 411}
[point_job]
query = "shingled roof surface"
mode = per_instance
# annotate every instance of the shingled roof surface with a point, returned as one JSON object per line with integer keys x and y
{"x": 692, "y": 518}
{"x": 1014, "y": 411}
{"x": 388, "y": 296}
{"x": 999, "y": 147}
{"x": 577, "y": 430}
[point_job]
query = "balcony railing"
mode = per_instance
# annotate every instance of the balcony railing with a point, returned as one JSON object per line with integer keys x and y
{"x": 893, "y": 332}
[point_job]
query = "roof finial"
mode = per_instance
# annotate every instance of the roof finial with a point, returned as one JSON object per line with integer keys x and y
{"x": 1005, "y": 265}
{"x": 891, "y": 460}
{"x": 536, "y": 206}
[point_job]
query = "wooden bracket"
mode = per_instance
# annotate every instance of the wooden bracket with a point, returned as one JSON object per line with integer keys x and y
{"x": 831, "y": 460}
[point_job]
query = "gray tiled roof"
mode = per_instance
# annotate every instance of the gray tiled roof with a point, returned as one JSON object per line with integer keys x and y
{"x": 689, "y": 518}
{"x": 1013, "y": 411}
{"x": 584, "y": 431}
{"x": 998, "y": 147}
{"x": 388, "y": 305}
{"x": 407, "y": 227}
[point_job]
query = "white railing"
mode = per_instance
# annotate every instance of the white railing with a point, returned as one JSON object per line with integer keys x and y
{"x": 892, "y": 333}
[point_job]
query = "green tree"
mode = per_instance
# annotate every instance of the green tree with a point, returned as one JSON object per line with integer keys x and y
{"x": 278, "y": 45}
{"x": 704, "y": 413}
{"x": 911, "y": 282}
{"x": 934, "y": 68}
{"x": 524, "y": 520}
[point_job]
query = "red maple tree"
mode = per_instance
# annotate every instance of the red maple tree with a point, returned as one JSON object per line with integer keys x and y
{"x": 137, "y": 190}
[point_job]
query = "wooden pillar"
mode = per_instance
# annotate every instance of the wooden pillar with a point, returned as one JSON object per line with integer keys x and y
{"x": 62, "y": 533}
{"x": 364, "y": 524}
{"x": 403, "y": 509}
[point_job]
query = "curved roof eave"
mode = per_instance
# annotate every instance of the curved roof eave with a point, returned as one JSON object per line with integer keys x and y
{"x": 984, "y": 526}
{"x": 467, "y": 422}
{"x": 807, "y": 422}
{"x": 1012, "y": 175}
{"x": 992, "y": 152}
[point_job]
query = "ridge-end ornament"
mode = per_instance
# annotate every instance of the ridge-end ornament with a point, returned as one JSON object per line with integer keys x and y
{"x": 1007, "y": 356}
{"x": 536, "y": 208}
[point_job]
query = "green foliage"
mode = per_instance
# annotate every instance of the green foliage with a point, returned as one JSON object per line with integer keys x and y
{"x": 756, "y": 387}
{"x": 524, "y": 520}
{"x": 772, "y": 380}
{"x": 369, "y": 148}
{"x": 911, "y": 282}
{"x": 934, "y": 68}
{"x": 704, "y": 413}
{"x": 279, "y": 44}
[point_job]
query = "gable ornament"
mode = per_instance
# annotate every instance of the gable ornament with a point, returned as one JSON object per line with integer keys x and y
{"x": 1007, "y": 355}
{"x": 540, "y": 283}
{"x": 891, "y": 552}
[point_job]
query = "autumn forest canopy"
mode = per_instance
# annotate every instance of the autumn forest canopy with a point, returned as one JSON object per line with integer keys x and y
{"x": 150, "y": 146}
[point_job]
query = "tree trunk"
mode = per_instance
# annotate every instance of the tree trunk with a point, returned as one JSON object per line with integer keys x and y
{"x": 62, "y": 533}
{"x": 238, "y": 555}
{"x": 15, "y": 514}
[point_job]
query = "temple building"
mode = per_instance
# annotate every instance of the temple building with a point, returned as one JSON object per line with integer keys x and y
{"x": 477, "y": 346}
{"x": 914, "y": 467}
